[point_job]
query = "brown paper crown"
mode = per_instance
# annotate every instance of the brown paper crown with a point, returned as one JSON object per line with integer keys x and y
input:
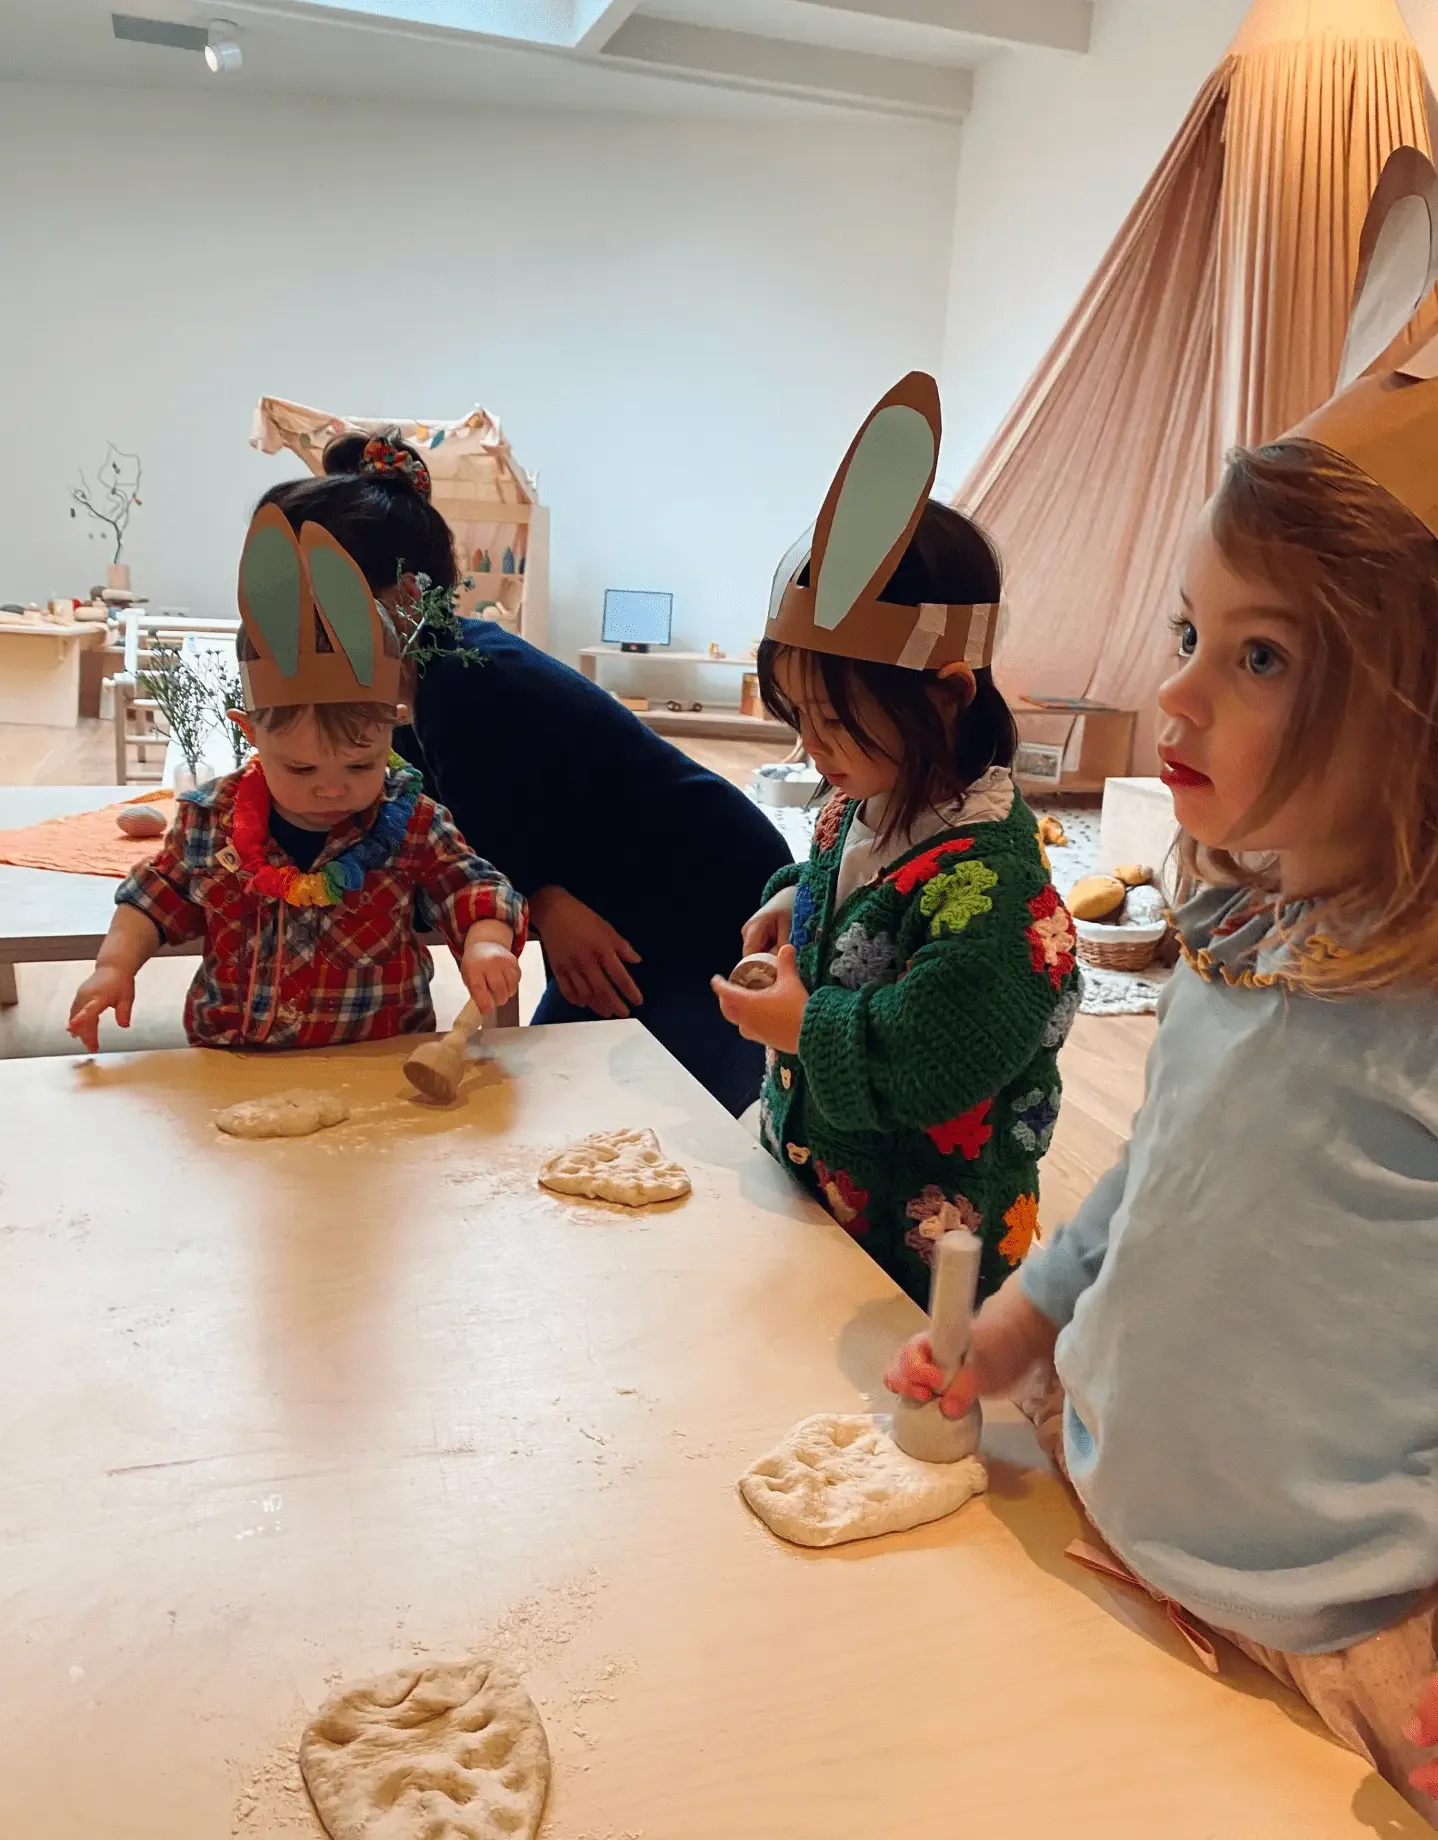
{"x": 287, "y": 585}
{"x": 868, "y": 520}
{"x": 1384, "y": 417}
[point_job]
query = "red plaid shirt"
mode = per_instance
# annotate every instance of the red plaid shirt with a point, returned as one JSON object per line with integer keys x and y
{"x": 277, "y": 976}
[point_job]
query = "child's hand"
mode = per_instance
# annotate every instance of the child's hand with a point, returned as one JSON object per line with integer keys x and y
{"x": 490, "y": 972}
{"x": 767, "y": 930}
{"x": 1422, "y": 1729}
{"x": 773, "y": 1016}
{"x": 1009, "y": 1336}
{"x": 107, "y": 987}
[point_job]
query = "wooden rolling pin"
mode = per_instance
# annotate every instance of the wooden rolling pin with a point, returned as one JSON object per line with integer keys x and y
{"x": 437, "y": 1067}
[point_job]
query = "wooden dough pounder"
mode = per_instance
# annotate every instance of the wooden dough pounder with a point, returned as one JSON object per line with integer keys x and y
{"x": 757, "y": 971}
{"x": 922, "y": 1431}
{"x": 437, "y": 1067}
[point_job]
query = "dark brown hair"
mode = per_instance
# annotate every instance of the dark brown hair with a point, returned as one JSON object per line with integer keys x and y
{"x": 945, "y": 745}
{"x": 1364, "y": 572}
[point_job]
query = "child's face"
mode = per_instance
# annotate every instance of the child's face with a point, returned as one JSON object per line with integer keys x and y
{"x": 830, "y": 746}
{"x": 1242, "y": 650}
{"x": 312, "y": 782}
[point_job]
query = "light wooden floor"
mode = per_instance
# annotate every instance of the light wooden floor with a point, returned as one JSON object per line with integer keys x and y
{"x": 1102, "y": 1064}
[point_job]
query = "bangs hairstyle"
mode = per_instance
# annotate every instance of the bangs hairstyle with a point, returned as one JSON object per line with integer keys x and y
{"x": 1364, "y": 573}
{"x": 945, "y": 747}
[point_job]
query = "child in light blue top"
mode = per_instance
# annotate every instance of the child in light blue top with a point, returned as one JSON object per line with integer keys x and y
{"x": 1244, "y": 1313}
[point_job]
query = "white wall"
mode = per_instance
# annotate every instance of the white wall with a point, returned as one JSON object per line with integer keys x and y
{"x": 677, "y": 322}
{"x": 1054, "y": 157}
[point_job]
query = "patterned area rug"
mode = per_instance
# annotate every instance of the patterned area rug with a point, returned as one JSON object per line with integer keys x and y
{"x": 1105, "y": 993}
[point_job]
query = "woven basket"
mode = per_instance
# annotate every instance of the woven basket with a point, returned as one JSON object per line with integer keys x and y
{"x": 1119, "y": 948}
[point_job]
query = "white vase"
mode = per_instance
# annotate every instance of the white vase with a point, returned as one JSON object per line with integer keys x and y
{"x": 186, "y": 780}
{"x": 117, "y": 577}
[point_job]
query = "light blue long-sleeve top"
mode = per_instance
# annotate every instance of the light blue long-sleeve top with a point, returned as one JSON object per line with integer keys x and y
{"x": 1248, "y": 1301}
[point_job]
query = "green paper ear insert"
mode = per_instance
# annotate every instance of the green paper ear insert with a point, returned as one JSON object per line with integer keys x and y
{"x": 272, "y": 587}
{"x": 888, "y": 474}
{"x": 344, "y": 599}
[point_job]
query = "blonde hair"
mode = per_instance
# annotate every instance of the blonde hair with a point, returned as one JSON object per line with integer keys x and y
{"x": 1364, "y": 571}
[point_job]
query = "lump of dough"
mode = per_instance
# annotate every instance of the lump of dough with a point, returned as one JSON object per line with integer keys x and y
{"x": 456, "y": 1749}
{"x": 836, "y": 1478}
{"x": 283, "y": 1114}
{"x": 623, "y": 1166}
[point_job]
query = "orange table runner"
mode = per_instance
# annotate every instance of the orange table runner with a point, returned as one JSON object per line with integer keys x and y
{"x": 86, "y": 842}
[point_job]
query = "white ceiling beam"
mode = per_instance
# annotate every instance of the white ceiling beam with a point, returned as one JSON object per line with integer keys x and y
{"x": 744, "y": 60}
{"x": 596, "y": 22}
{"x": 1057, "y": 25}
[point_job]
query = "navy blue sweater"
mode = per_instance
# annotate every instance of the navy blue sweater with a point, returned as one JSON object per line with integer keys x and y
{"x": 554, "y": 781}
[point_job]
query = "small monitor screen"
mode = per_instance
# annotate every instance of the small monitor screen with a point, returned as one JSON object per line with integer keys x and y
{"x": 633, "y": 616}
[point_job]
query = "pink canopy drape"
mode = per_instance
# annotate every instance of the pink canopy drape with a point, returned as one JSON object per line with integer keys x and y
{"x": 1216, "y": 319}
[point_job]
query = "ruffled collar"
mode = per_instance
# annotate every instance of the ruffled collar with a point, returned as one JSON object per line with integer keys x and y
{"x": 1246, "y": 937}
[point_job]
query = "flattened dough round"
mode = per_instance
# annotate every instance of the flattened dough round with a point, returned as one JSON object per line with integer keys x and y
{"x": 842, "y": 1477}
{"x": 283, "y": 1114}
{"x": 623, "y": 1166}
{"x": 456, "y": 1749}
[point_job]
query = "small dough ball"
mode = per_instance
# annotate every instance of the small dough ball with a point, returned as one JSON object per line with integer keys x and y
{"x": 1133, "y": 875}
{"x": 1096, "y": 897}
{"x": 141, "y": 821}
{"x": 456, "y": 1748}
{"x": 283, "y": 1114}
{"x": 757, "y": 971}
{"x": 623, "y": 1166}
{"x": 1144, "y": 906}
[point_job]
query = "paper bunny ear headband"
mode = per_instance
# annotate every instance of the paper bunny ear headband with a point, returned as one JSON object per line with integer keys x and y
{"x": 287, "y": 583}
{"x": 868, "y": 520}
{"x": 1385, "y": 419}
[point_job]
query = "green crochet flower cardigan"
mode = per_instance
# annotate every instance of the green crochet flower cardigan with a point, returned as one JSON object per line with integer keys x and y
{"x": 926, "y": 1085}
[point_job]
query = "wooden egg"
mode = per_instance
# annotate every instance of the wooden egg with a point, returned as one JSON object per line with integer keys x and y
{"x": 756, "y": 972}
{"x": 142, "y": 821}
{"x": 1096, "y": 897}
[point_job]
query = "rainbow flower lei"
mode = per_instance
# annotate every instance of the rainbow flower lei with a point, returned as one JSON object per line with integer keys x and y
{"x": 250, "y": 829}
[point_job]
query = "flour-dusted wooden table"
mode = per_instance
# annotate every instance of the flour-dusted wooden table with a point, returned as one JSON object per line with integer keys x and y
{"x": 282, "y": 1414}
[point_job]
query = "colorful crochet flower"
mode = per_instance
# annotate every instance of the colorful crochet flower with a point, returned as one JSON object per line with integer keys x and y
{"x": 830, "y": 822}
{"x": 952, "y": 900}
{"x": 937, "y": 1215}
{"x": 1056, "y": 1031}
{"x": 862, "y": 958}
{"x": 907, "y": 879}
{"x": 969, "y": 1132}
{"x": 1034, "y": 1118}
{"x": 846, "y": 1199}
{"x": 1051, "y": 938}
{"x": 1022, "y": 1221}
{"x": 803, "y": 917}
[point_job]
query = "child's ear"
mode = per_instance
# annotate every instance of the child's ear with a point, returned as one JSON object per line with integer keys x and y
{"x": 244, "y": 723}
{"x": 958, "y": 681}
{"x": 402, "y": 715}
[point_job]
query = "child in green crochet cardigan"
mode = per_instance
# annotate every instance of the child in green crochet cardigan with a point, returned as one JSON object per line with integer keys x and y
{"x": 927, "y": 974}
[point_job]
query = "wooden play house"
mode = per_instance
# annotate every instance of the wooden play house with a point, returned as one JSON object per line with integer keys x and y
{"x": 488, "y": 499}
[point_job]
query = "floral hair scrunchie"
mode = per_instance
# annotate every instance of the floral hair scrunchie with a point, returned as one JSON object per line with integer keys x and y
{"x": 381, "y": 456}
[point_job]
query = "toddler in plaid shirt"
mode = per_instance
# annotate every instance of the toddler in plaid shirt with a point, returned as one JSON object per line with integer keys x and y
{"x": 311, "y": 872}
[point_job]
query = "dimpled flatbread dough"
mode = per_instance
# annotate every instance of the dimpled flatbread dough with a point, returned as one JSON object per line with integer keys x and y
{"x": 283, "y": 1114}
{"x": 455, "y": 1751}
{"x": 623, "y": 1166}
{"x": 840, "y": 1477}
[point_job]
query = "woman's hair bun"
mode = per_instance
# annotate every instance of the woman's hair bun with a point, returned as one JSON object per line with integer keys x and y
{"x": 383, "y": 456}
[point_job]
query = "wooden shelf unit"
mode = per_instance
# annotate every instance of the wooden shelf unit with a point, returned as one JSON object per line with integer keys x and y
{"x": 1105, "y": 743}
{"x": 719, "y": 721}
